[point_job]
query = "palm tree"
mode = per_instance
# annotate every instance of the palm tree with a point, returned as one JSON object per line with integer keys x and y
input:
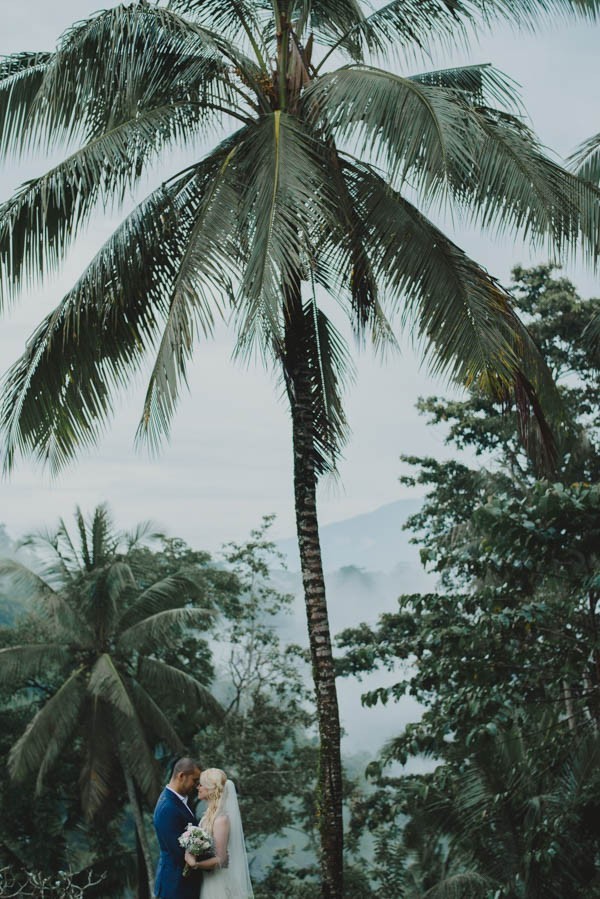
{"x": 586, "y": 163}
{"x": 99, "y": 636}
{"x": 524, "y": 825}
{"x": 308, "y": 198}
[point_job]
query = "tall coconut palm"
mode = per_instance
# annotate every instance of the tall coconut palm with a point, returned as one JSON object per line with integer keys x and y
{"x": 308, "y": 198}
{"x": 98, "y": 638}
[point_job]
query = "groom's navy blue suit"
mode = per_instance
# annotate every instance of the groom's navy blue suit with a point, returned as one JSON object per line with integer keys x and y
{"x": 171, "y": 817}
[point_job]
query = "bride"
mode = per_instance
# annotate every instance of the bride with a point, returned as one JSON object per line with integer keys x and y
{"x": 226, "y": 876}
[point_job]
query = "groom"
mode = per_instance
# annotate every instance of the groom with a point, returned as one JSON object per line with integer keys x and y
{"x": 172, "y": 814}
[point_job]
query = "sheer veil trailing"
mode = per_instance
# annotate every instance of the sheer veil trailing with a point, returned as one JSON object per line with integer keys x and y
{"x": 239, "y": 875}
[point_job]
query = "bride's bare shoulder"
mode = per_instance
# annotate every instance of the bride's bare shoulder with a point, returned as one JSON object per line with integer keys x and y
{"x": 221, "y": 820}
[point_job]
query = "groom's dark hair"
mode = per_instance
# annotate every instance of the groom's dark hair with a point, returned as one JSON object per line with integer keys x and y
{"x": 184, "y": 765}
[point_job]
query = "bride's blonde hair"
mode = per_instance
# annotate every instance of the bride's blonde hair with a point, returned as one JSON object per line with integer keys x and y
{"x": 214, "y": 780}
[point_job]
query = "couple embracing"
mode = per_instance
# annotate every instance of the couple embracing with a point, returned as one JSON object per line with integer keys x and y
{"x": 215, "y": 865}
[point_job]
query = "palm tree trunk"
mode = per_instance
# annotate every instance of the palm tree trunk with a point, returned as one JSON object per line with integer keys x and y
{"x": 330, "y": 767}
{"x": 143, "y": 887}
{"x": 148, "y": 874}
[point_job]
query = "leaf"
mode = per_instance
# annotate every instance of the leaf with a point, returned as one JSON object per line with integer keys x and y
{"x": 162, "y": 628}
{"x": 466, "y": 319}
{"x": 315, "y": 348}
{"x": 106, "y": 683}
{"x": 21, "y": 77}
{"x": 18, "y": 664}
{"x": 153, "y": 719}
{"x": 204, "y": 275}
{"x": 586, "y": 159}
{"x": 286, "y": 205}
{"x": 49, "y": 731}
{"x": 411, "y": 25}
{"x": 101, "y": 766}
{"x": 415, "y": 130}
{"x": 172, "y": 592}
{"x": 58, "y": 395}
{"x": 158, "y": 678}
{"x": 23, "y": 580}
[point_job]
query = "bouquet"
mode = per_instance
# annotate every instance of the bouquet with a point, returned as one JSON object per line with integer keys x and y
{"x": 197, "y": 842}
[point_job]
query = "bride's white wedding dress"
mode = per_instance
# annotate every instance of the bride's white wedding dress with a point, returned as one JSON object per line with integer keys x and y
{"x": 233, "y": 881}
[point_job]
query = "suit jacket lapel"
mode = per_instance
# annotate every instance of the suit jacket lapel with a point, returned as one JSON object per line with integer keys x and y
{"x": 180, "y": 802}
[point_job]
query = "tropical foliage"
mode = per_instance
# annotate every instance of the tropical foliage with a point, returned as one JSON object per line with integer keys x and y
{"x": 504, "y": 658}
{"x": 308, "y": 197}
{"x": 264, "y": 733}
{"x": 100, "y": 636}
{"x": 266, "y": 738}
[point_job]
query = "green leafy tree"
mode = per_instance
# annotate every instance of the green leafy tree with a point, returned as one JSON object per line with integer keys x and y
{"x": 44, "y": 834}
{"x": 305, "y": 200}
{"x": 266, "y": 739}
{"x": 504, "y": 658}
{"x": 100, "y": 636}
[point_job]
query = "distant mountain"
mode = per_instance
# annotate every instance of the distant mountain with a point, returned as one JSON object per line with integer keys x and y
{"x": 374, "y": 540}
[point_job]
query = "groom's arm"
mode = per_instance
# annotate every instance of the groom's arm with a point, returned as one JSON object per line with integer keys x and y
{"x": 169, "y": 826}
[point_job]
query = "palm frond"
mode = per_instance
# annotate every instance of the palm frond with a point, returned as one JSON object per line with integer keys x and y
{"x": 286, "y": 205}
{"x": 342, "y": 266}
{"x": 333, "y": 23}
{"x": 103, "y": 595}
{"x": 511, "y": 185}
{"x": 314, "y": 346}
{"x": 44, "y": 588}
{"x": 108, "y": 685}
{"x": 591, "y": 337}
{"x": 578, "y": 771}
{"x": 83, "y": 540}
{"x": 21, "y": 76}
{"x": 104, "y": 541}
{"x": 447, "y": 145}
{"x": 482, "y": 84}
{"x": 172, "y": 592}
{"x": 100, "y": 767}
{"x": 39, "y": 222}
{"x": 159, "y": 678}
{"x": 162, "y": 628}
{"x": 403, "y": 24}
{"x": 460, "y": 885}
{"x": 415, "y": 130}
{"x": 49, "y": 730}
{"x": 120, "y": 62}
{"x": 586, "y": 159}
{"x": 21, "y": 580}
{"x": 64, "y": 549}
{"x": 419, "y": 24}
{"x": 19, "y": 664}
{"x": 119, "y": 580}
{"x": 206, "y": 269}
{"x": 154, "y": 720}
{"x": 239, "y": 21}
{"x": 57, "y": 397}
{"x": 143, "y": 532}
{"x": 464, "y": 317}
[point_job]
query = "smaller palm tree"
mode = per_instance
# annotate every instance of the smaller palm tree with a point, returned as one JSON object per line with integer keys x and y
{"x": 99, "y": 636}
{"x": 524, "y": 824}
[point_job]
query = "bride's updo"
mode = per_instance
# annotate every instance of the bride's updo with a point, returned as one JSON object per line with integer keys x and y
{"x": 213, "y": 780}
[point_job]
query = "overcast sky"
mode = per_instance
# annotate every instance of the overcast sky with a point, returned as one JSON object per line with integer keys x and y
{"x": 229, "y": 458}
